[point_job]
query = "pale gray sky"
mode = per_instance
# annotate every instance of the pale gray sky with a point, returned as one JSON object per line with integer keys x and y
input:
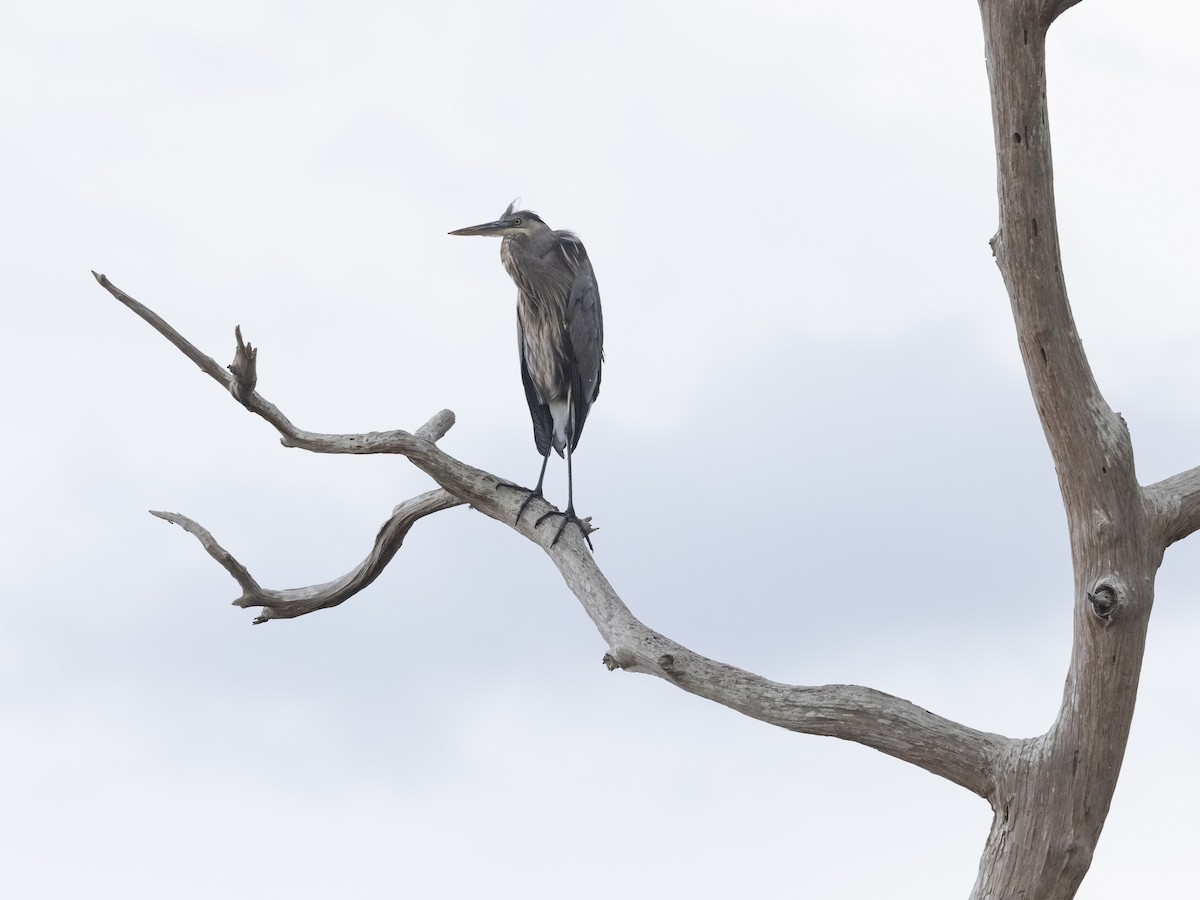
{"x": 814, "y": 456}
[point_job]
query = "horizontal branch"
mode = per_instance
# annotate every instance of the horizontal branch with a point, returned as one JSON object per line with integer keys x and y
{"x": 1176, "y": 504}
{"x": 850, "y": 712}
{"x": 901, "y": 729}
{"x": 293, "y": 602}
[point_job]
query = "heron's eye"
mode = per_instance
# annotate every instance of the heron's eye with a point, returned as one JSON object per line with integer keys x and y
{"x": 517, "y": 220}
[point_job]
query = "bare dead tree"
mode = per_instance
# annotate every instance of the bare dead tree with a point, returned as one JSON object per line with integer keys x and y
{"x": 1051, "y": 793}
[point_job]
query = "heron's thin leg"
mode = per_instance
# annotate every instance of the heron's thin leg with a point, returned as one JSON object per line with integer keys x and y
{"x": 569, "y": 515}
{"x": 536, "y": 492}
{"x": 570, "y": 489}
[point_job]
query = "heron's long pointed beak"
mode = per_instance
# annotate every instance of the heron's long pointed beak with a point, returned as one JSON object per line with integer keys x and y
{"x": 487, "y": 229}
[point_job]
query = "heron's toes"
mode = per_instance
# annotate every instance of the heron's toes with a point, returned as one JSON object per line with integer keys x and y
{"x": 584, "y": 525}
{"x": 530, "y": 495}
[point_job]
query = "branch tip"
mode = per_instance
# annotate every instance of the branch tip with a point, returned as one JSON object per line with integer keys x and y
{"x": 435, "y": 429}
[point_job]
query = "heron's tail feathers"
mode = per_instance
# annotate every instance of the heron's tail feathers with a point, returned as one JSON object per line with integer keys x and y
{"x": 560, "y": 413}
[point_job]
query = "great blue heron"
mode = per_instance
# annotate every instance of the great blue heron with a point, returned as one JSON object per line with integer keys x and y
{"x": 560, "y": 335}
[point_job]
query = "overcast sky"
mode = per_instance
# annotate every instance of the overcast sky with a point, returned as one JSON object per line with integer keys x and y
{"x": 815, "y": 454}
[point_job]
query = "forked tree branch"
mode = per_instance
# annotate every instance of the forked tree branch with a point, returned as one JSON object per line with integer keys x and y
{"x": 1055, "y": 792}
{"x": 963, "y": 755}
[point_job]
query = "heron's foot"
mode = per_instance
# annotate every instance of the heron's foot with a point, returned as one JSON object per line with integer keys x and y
{"x": 584, "y": 525}
{"x": 530, "y": 495}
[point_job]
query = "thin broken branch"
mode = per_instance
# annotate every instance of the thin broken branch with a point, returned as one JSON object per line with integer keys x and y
{"x": 1056, "y": 790}
{"x": 206, "y": 363}
{"x": 293, "y": 602}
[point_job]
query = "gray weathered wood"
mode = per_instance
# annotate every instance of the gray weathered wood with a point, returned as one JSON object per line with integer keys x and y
{"x": 293, "y": 602}
{"x": 1053, "y": 792}
{"x": 889, "y": 724}
{"x": 1050, "y": 793}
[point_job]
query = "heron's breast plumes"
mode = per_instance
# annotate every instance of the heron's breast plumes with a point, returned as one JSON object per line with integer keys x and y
{"x": 543, "y": 343}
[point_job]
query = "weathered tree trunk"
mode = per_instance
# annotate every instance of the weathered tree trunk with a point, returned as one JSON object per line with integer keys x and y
{"x": 1051, "y": 793}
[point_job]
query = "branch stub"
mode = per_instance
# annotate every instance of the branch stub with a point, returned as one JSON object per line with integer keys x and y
{"x": 1104, "y": 602}
{"x": 244, "y": 368}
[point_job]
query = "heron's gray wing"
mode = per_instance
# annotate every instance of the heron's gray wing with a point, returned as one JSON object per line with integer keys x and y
{"x": 585, "y": 325}
{"x": 543, "y": 422}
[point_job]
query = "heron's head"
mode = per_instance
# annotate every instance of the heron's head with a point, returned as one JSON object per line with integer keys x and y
{"x": 512, "y": 223}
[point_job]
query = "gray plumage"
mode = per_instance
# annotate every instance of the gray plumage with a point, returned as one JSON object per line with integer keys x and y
{"x": 560, "y": 333}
